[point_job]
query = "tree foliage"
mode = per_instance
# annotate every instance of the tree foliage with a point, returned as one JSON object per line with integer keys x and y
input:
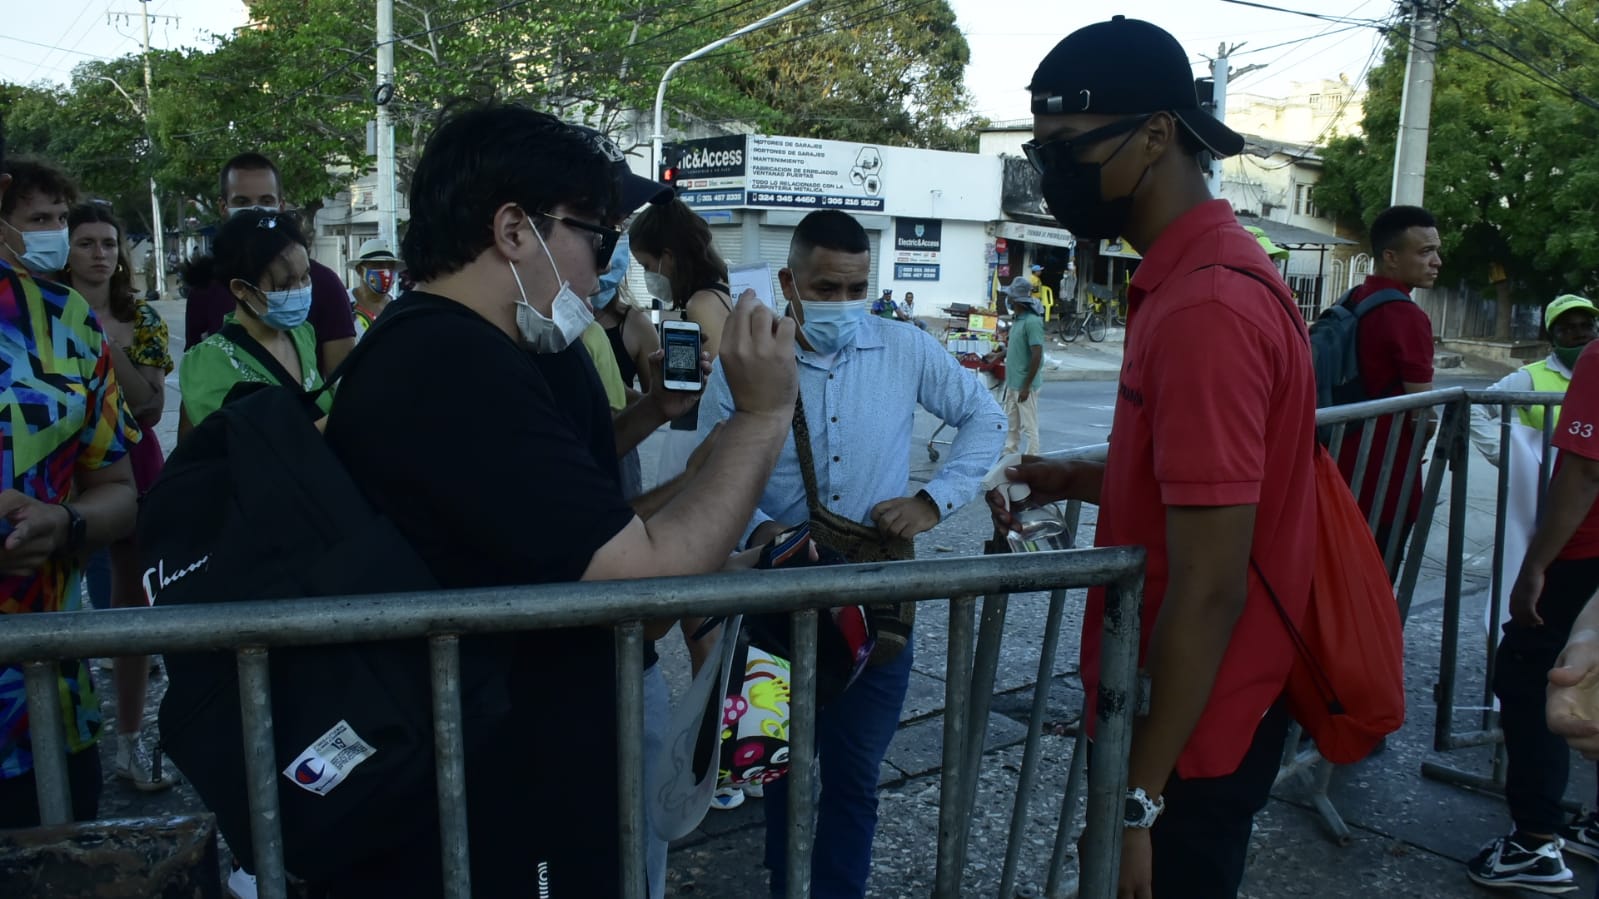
{"x": 298, "y": 84}
{"x": 1513, "y": 148}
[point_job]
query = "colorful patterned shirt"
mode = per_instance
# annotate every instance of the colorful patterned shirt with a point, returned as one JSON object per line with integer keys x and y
{"x": 63, "y": 415}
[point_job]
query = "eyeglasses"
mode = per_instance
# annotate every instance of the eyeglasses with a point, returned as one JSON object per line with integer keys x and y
{"x": 1063, "y": 151}
{"x": 604, "y": 238}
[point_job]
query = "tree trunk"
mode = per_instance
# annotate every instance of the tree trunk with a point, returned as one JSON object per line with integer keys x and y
{"x": 1502, "y": 322}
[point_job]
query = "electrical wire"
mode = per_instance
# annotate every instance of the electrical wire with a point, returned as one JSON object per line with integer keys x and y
{"x": 1341, "y": 20}
{"x": 1532, "y": 72}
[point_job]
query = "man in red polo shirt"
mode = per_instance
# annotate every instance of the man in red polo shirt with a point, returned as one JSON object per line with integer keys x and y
{"x": 1558, "y": 576}
{"x": 1394, "y": 347}
{"x": 1210, "y": 464}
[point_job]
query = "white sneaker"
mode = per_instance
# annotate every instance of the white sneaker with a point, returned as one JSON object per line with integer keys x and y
{"x": 133, "y": 763}
{"x": 241, "y": 884}
{"x": 754, "y": 790}
{"x": 727, "y": 798}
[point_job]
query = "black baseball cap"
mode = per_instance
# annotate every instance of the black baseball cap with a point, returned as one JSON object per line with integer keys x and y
{"x": 635, "y": 190}
{"x": 1126, "y": 67}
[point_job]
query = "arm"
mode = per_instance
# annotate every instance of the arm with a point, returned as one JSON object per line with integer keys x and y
{"x": 142, "y": 385}
{"x": 1485, "y": 419}
{"x": 1035, "y": 361}
{"x": 1208, "y": 550}
{"x": 958, "y": 399}
{"x": 708, "y": 309}
{"x": 697, "y": 529}
{"x": 1570, "y": 710}
{"x": 1572, "y": 492}
{"x": 641, "y": 341}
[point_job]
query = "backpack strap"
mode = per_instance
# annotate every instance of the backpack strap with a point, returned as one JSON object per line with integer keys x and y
{"x": 235, "y": 334}
{"x": 1380, "y": 298}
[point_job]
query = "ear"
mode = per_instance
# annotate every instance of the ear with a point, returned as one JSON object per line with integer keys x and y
{"x": 510, "y": 231}
{"x": 247, "y": 293}
{"x": 785, "y": 282}
{"x": 1160, "y": 135}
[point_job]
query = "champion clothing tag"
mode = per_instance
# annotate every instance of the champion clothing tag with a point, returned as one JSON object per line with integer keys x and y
{"x": 327, "y": 762}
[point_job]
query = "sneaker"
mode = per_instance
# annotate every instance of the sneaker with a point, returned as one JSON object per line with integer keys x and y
{"x": 727, "y": 798}
{"x": 1581, "y": 836}
{"x": 754, "y": 790}
{"x": 241, "y": 884}
{"x": 133, "y": 763}
{"x": 1507, "y": 863}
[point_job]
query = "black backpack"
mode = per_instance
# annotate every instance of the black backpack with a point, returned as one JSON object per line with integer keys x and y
{"x": 254, "y": 505}
{"x": 1335, "y": 347}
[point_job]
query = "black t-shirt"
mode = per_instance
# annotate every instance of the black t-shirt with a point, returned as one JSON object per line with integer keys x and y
{"x": 489, "y": 460}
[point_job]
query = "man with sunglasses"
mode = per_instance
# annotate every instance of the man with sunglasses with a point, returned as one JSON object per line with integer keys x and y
{"x": 475, "y": 423}
{"x": 1210, "y": 464}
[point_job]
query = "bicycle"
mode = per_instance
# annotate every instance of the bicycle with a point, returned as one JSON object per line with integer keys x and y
{"x": 1091, "y": 322}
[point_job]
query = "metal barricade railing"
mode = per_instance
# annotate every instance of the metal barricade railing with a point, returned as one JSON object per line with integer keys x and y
{"x": 253, "y": 629}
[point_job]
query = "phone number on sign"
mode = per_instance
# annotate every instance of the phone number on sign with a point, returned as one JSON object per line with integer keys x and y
{"x": 816, "y": 201}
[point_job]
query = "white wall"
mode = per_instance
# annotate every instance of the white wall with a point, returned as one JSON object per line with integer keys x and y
{"x": 1003, "y": 143}
{"x": 963, "y": 270}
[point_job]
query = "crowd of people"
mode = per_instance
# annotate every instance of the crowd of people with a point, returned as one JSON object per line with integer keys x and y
{"x": 522, "y": 231}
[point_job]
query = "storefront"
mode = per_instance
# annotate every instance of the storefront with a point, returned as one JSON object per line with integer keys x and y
{"x": 925, "y": 211}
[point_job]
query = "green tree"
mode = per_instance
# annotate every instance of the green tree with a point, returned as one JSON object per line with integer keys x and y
{"x": 1513, "y": 148}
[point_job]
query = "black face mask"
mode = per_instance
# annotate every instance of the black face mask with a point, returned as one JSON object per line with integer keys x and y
{"x": 1072, "y": 188}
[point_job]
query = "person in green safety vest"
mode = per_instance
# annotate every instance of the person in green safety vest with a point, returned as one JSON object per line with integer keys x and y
{"x": 1572, "y": 322}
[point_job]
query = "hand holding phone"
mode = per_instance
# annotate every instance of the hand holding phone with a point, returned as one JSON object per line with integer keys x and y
{"x": 680, "y": 370}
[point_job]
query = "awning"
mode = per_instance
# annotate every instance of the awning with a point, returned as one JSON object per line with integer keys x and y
{"x": 1032, "y": 229}
{"x": 1292, "y": 237}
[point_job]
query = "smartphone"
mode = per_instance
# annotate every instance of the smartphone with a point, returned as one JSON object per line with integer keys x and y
{"x": 681, "y": 368}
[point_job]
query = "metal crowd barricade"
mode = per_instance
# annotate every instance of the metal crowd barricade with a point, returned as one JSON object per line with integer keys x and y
{"x": 254, "y": 629}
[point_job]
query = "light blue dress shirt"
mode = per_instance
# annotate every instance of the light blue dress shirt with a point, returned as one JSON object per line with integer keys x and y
{"x": 860, "y": 405}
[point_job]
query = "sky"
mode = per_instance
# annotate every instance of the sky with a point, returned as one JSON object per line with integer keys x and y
{"x": 1007, "y": 38}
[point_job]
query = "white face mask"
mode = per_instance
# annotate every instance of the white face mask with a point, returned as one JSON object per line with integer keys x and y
{"x": 659, "y": 287}
{"x": 540, "y": 333}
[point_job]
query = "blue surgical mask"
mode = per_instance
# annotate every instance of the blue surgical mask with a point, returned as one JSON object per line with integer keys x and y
{"x": 830, "y": 326}
{"x": 43, "y": 252}
{"x": 287, "y": 309}
{"x": 611, "y": 278}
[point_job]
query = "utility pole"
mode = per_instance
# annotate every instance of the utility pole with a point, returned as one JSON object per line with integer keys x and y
{"x": 156, "y": 238}
{"x": 1415, "y": 108}
{"x": 388, "y": 221}
{"x": 1220, "y": 73}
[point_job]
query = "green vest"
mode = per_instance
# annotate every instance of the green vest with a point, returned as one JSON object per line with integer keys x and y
{"x": 1544, "y": 380}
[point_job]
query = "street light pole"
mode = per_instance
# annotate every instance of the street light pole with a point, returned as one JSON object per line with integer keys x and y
{"x": 657, "y": 138}
{"x": 155, "y": 199}
{"x": 388, "y": 227}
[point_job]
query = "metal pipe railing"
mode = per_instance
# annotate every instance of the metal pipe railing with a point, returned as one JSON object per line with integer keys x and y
{"x": 250, "y": 628}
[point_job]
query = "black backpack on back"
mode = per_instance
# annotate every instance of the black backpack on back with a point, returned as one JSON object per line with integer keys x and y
{"x": 1335, "y": 347}
{"x": 254, "y": 505}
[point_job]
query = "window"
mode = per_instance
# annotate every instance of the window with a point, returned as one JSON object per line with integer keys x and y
{"x": 1303, "y": 205}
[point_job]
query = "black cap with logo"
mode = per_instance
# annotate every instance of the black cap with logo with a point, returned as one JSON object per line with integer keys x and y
{"x": 1126, "y": 67}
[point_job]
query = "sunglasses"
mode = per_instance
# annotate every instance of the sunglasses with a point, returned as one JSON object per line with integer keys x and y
{"x": 1064, "y": 150}
{"x": 604, "y": 238}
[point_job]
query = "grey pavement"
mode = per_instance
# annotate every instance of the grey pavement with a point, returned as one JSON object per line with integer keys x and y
{"x": 1411, "y": 835}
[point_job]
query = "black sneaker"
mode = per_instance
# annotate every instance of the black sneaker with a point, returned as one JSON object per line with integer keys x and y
{"x": 1581, "y": 836}
{"x": 1506, "y": 863}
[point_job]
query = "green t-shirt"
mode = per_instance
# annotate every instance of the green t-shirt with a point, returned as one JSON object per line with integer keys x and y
{"x": 210, "y": 370}
{"x": 599, "y": 348}
{"x": 1026, "y": 332}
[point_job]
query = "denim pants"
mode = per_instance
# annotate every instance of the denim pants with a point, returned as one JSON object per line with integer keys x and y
{"x": 657, "y": 715}
{"x": 852, "y": 737}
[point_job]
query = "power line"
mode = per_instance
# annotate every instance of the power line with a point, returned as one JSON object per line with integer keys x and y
{"x": 1532, "y": 72}
{"x": 7, "y": 37}
{"x": 1341, "y": 20}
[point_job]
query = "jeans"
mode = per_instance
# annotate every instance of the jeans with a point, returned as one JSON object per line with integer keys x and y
{"x": 852, "y": 737}
{"x": 1538, "y": 762}
{"x": 1201, "y": 841}
{"x": 657, "y": 715}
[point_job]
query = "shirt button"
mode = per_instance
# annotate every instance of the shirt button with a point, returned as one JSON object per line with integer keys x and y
{"x": 835, "y": 497}
{"x": 835, "y": 458}
{"x": 835, "y": 419}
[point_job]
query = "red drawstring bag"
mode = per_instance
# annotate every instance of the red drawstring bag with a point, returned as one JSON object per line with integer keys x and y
{"x": 1347, "y": 687}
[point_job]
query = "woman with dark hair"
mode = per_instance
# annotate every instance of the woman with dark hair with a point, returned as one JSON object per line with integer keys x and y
{"x": 261, "y": 258}
{"x": 98, "y": 268}
{"x": 683, "y": 270}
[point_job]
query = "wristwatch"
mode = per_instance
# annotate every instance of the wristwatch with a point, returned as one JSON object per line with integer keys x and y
{"x": 1141, "y": 811}
{"x": 77, "y": 531}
